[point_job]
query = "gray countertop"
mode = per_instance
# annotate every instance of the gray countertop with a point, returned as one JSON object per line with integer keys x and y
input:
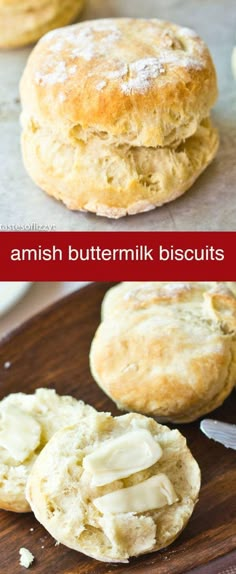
{"x": 209, "y": 205}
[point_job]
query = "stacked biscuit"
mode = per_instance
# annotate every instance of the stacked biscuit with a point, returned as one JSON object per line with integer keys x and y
{"x": 120, "y": 134}
{"x": 109, "y": 487}
{"x": 24, "y": 21}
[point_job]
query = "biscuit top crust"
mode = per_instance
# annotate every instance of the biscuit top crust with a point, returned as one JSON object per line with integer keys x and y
{"x": 213, "y": 299}
{"x": 148, "y": 82}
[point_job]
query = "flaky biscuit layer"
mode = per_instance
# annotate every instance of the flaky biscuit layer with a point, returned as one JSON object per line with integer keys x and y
{"x": 87, "y": 173}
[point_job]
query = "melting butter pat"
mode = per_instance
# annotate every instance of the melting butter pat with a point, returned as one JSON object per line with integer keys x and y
{"x": 153, "y": 493}
{"x": 120, "y": 457}
{"x": 19, "y": 433}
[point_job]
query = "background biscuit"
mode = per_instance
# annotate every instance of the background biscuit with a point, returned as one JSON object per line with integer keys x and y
{"x": 119, "y": 134}
{"x": 167, "y": 349}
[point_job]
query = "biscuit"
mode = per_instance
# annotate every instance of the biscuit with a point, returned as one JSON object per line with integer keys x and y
{"x": 27, "y": 422}
{"x": 25, "y": 21}
{"x": 166, "y": 349}
{"x": 91, "y": 494}
{"x": 123, "y": 134}
{"x": 232, "y": 286}
{"x": 233, "y": 62}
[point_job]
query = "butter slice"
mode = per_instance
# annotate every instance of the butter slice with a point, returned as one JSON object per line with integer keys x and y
{"x": 19, "y": 433}
{"x": 120, "y": 457}
{"x": 153, "y": 493}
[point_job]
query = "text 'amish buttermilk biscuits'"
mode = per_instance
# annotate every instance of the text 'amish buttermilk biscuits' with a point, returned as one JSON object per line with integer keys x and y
{"x": 113, "y": 488}
{"x": 27, "y": 422}
{"x": 167, "y": 349}
{"x": 116, "y": 114}
{"x": 25, "y": 21}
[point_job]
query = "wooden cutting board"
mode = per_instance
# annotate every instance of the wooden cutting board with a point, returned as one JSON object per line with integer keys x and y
{"x": 51, "y": 350}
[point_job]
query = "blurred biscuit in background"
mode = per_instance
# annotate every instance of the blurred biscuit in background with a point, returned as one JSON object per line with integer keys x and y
{"x": 25, "y": 21}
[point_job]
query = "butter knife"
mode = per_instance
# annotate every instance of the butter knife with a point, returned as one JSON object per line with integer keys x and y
{"x": 224, "y": 433}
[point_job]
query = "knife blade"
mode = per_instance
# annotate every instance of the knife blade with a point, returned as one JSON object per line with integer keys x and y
{"x": 224, "y": 433}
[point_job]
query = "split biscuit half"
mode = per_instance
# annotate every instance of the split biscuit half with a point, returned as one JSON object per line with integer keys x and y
{"x": 25, "y": 21}
{"x": 167, "y": 349}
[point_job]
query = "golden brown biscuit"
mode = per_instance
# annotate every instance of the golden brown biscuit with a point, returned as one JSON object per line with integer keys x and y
{"x": 24, "y": 21}
{"x": 27, "y": 422}
{"x": 167, "y": 349}
{"x": 233, "y": 61}
{"x": 232, "y": 286}
{"x": 119, "y": 134}
{"x": 88, "y": 486}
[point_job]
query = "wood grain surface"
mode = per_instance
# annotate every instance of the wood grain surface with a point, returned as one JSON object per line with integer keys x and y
{"x": 51, "y": 350}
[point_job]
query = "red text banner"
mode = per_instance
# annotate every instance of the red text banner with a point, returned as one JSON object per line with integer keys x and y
{"x": 115, "y": 256}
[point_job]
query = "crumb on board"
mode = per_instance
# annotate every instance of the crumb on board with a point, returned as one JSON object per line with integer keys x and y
{"x": 26, "y": 557}
{"x": 7, "y": 365}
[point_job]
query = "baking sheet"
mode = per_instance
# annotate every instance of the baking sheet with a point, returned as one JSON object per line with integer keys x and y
{"x": 211, "y": 202}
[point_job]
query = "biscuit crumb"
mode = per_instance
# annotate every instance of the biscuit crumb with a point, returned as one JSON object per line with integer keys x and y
{"x": 7, "y": 365}
{"x": 26, "y": 557}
